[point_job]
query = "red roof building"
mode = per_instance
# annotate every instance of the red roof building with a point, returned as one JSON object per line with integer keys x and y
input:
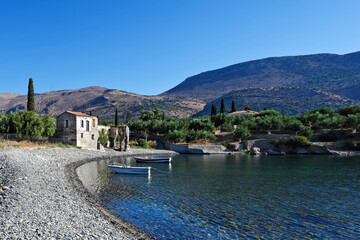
{"x": 242, "y": 112}
{"x": 79, "y": 114}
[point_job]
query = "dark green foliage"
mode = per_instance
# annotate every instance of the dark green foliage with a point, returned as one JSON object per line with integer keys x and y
{"x": 297, "y": 141}
{"x": 31, "y": 96}
{"x": 103, "y": 136}
{"x": 142, "y": 142}
{"x": 194, "y": 135}
{"x": 116, "y": 118}
{"x": 220, "y": 119}
{"x": 176, "y": 135}
{"x": 268, "y": 113}
{"x": 345, "y": 111}
{"x": 190, "y": 129}
{"x": 233, "y": 107}
{"x": 203, "y": 123}
{"x": 247, "y": 108}
{"x": 27, "y": 124}
{"x": 150, "y": 115}
{"x": 352, "y": 121}
{"x": 222, "y": 108}
{"x": 332, "y": 136}
{"x": 305, "y": 131}
{"x": 227, "y": 127}
{"x": 106, "y": 123}
{"x": 127, "y": 117}
{"x": 241, "y": 132}
{"x": 213, "y": 110}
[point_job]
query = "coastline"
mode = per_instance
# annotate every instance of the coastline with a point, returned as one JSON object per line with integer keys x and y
{"x": 43, "y": 198}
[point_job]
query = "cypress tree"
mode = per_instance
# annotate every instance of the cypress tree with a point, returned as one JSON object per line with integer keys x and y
{"x": 31, "y": 96}
{"x": 233, "y": 107}
{"x": 127, "y": 117}
{"x": 222, "y": 109}
{"x": 213, "y": 109}
{"x": 116, "y": 118}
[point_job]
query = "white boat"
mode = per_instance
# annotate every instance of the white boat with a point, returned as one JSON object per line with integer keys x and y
{"x": 153, "y": 160}
{"x": 129, "y": 169}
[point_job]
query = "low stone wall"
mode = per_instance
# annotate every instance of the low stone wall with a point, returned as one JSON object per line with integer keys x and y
{"x": 186, "y": 148}
{"x": 198, "y": 149}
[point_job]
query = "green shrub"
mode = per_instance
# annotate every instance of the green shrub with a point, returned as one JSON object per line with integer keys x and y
{"x": 241, "y": 132}
{"x": 103, "y": 137}
{"x": 297, "y": 141}
{"x": 194, "y": 135}
{"x": 227, "y": 127}
{"x": 305, "y": 131}
{"x": 142, "y": 143}
{"x": 176, "y": 135}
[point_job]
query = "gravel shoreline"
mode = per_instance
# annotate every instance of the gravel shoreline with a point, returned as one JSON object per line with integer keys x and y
{"x": 41, "y": 196}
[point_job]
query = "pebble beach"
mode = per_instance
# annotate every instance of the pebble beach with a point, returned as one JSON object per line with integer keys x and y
{"x": 42, "y": 198}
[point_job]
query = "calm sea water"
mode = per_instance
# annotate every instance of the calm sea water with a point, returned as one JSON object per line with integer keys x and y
{"x": 236, "y": 197}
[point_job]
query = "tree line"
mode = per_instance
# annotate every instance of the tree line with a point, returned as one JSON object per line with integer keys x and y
{"x": 241, "y": 126}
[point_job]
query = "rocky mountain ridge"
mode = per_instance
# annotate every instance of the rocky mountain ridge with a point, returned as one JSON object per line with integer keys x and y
{"x": 291, "y": 85}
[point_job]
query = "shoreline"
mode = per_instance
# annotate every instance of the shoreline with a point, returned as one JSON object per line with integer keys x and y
{"x": 43, "y": 198}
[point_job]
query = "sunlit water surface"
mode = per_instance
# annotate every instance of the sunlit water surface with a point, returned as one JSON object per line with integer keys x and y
{"x": 235, "y": 197}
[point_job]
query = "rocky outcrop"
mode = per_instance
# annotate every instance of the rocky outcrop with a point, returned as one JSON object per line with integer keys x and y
{"x": 266, "y": 146}
{"x": 124, "y": 138}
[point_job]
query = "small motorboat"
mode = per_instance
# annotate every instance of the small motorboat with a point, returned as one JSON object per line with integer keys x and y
{"x": 129, "y": 169}
{"x": 153, "y": 160}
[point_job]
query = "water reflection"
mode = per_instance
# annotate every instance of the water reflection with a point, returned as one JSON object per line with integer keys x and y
{"x": 231, "y": 197}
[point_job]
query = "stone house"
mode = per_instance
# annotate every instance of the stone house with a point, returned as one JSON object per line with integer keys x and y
{"x": 77, "y": 129}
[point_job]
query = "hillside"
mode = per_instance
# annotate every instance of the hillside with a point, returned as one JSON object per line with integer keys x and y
{"x": 330, "y": 72}
{"x": 101, "y": 102}
{"x": 285, "y": 100}
{"x": 290, "y": 85}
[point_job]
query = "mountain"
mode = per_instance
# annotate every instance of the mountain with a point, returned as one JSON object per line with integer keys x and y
{"x": 284, "y": 99}
{"x": 339, "y": 74}
{"x": 101, "y": 102}
{"x": 291, "y": 85}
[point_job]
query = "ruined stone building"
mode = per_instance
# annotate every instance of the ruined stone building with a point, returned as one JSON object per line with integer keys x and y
{"x": 77, "y": 129}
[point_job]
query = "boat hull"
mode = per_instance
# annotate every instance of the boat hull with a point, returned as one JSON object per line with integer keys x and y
{"x": 153, "y": 160}
{"x": 130, "y": 170}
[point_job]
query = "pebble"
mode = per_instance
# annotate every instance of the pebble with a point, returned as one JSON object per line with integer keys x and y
{"x": 39, "y": 202}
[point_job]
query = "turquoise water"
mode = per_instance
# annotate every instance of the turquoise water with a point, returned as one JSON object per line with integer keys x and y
{"x": 236, "y": 197}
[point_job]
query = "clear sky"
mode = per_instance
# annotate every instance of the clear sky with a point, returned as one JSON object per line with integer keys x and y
{"x": 150, "y": 46}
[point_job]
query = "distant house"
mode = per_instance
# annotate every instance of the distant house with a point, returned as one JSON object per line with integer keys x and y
{"x": 77, "y": 129}
{"x": 242, "y": 112}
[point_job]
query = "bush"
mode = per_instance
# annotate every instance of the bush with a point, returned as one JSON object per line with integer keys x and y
{"x": 227, "y": 127}
{"x": 142, "y": 143}
{"x": 176, "y": 136}
{"x": 103, "y": 137}
{"x": 305, "y": 131}
{"x": 241, "y": 132}
{"x": 194, "y": 135}
{"x": 27, "y": 124}
{"x": 297, "y": 141}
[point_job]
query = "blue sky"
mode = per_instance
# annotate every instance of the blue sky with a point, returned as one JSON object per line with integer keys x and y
{"x": 150, "y": 46}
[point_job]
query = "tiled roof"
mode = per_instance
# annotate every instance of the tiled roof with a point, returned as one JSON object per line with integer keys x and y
{"x": 243, "y": 112}
{"x": 79, "y": 114}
